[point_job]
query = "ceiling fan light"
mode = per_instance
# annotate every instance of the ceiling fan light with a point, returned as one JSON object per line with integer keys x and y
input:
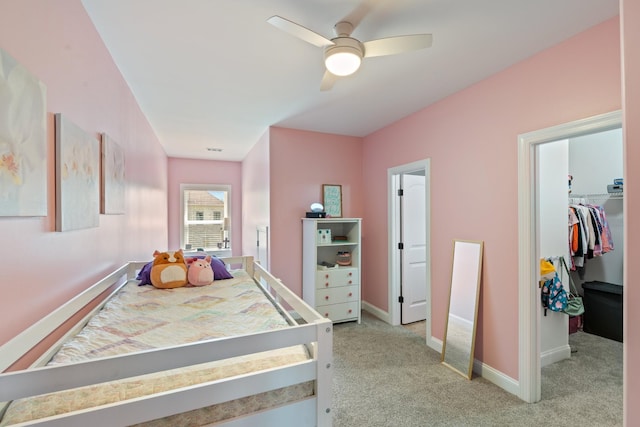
{"x": 342, "y": 60}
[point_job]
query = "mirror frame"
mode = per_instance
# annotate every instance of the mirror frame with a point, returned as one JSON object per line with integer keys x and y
{"x": 462, "y": 260}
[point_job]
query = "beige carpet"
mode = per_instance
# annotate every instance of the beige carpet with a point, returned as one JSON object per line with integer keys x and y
{"x": 387, "y": 376}
{"x": 418, "y": 328}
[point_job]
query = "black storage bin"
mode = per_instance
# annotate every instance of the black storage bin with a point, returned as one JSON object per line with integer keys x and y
{"x": 603, "y": 309}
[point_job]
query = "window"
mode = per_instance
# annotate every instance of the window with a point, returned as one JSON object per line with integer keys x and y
{"x": 206, "y": 214}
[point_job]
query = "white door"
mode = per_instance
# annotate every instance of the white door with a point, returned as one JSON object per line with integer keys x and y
{"x": 552, "y": 164}
{"x": 414, "y": 252}
{"x": 262, "y": 250}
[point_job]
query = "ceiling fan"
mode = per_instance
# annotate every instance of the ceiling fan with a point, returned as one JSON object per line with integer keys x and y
{"x": 343, "y": 53}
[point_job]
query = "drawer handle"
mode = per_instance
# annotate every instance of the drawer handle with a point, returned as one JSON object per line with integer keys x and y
{"x": 326, "y": 276}
{"x": 326, "y": 284}
{"x": 350, "y": 294}
{"x": 350, "y": 281}
{"x": 349, "y": 311}
{"x": 350, "y": 274}
{"x": 326, "y": 315}
{"x": 326, "y": 297}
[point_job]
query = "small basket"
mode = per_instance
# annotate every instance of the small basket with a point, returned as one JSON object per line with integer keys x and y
{"x": 343, "y": 258}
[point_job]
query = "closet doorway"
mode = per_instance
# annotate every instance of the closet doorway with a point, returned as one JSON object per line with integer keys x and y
{"x": 530, "y": 192}
{"x": 409, "y": 269}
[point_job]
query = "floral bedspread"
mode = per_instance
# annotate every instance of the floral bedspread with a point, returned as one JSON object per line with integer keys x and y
{"x": 142, "y": 318}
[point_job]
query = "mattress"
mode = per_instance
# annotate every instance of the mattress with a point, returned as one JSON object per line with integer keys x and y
{"x": 142, "y": 318}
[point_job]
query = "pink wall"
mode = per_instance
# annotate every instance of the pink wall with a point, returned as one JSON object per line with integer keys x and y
{"x": 471, "y": 139}
{"x": 300, "y": 163}
{"x": 186, "y": 171}
{"x": 57, "y": 42}
{"x": 255, "y": 194}
{"x": 630, "y": 22}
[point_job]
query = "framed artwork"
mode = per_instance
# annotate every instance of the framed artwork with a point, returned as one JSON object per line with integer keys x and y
{"x": 332, "y": 200}
{"x": 23, "y": 141}
{"x": 77, "y": 177}
{"x": 112, "y": 181}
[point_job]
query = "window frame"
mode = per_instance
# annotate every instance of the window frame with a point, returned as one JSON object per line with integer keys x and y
{"x": 226, "y": 188}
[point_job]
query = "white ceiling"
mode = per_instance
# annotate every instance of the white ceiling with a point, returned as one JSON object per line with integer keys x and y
{"x": 214, "y": 73}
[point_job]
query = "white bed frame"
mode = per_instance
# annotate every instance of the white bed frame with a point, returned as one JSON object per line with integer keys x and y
{"x": 316, "y": 333}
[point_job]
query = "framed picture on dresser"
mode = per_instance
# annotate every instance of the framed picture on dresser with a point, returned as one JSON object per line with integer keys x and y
{"x": 332, "y": 200}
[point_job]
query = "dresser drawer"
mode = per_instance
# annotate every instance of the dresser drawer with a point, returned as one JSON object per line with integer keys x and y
{"x": 337, "y": 277}
{"x": 337, "y": 295}
{"x": 339, "y": 312}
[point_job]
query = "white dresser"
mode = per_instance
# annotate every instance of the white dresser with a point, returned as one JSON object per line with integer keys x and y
{"x": 333, "y": 291}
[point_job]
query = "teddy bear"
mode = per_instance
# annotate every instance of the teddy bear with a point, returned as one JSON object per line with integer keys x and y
{"x": 199, "y": 271}
{"x": 169, "y": 270}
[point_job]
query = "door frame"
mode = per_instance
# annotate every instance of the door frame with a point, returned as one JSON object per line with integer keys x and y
{"x": 529, "y": 383}
{"x": 394, "y": 238}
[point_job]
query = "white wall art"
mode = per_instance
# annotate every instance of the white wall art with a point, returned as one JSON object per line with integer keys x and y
{"x": 77, "y": 177}
{"x": 112, "y": 179}
{"x": 23, "y": 141}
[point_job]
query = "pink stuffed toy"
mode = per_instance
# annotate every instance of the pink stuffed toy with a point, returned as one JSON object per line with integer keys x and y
{"x": 199, "y": 271}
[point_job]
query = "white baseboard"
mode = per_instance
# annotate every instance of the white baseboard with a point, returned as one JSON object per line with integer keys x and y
{"x": 435, "y": 344}
{"x": 496, "y": 377}
{"x": 375, "y": 311}
{"x": 555, "y": 355}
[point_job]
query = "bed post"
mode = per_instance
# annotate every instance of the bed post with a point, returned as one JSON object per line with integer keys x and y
{"x": 248, "y": 265}
{"x": 324, "y": 374}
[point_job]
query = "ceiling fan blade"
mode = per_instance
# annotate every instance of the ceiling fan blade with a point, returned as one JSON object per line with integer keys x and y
{"x": 327, "y": 81}
{"x": 359, "y": 12}
{"x": 395, "y": 45}
{"x": 299, "y": 31}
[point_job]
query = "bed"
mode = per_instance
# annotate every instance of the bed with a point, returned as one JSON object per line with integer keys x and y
{"x": 137, "y": 360}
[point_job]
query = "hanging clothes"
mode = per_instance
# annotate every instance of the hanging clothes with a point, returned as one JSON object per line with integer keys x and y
{"x": 589, "y": 233}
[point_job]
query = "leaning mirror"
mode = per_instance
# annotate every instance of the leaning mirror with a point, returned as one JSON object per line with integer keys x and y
{"x": 460, "y": 330}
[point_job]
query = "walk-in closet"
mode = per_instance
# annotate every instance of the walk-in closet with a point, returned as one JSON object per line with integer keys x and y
{"x": 597, "y": 188}
{"x": 582, "y": 176}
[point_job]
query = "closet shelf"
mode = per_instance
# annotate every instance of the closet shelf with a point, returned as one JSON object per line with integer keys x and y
{"x": 599, "y": 196}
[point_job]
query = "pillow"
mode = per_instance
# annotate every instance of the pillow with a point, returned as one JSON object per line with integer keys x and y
{"x": 145, "y": 274}
{"x": 220, "y": 271}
